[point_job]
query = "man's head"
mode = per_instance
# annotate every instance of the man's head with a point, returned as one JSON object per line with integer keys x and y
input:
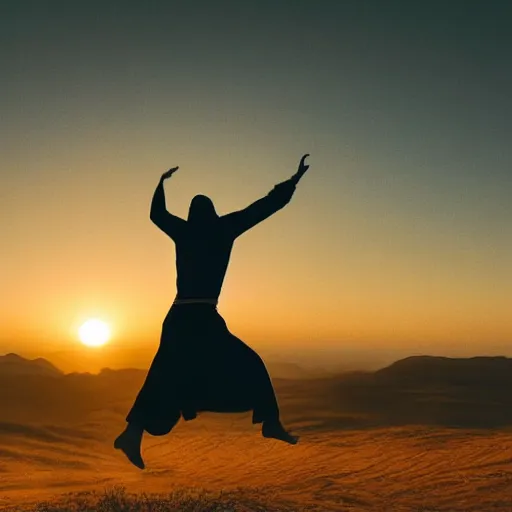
{"x": 202, "y": 211}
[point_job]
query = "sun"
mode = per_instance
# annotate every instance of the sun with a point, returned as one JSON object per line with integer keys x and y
{"x": 94, "y": 333}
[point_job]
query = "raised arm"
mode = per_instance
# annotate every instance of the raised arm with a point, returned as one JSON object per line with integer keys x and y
{"x": 275, "y": 200}
{"x": 170, "y": 224}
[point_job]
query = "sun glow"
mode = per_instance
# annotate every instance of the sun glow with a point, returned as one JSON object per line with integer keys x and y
{"x": 94, "y": 333}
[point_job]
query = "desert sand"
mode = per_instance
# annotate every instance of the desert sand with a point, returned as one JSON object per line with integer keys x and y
{"x": 347, "y": 459}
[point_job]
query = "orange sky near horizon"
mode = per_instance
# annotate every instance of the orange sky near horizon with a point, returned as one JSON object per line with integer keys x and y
{"x": 302, "y": 278}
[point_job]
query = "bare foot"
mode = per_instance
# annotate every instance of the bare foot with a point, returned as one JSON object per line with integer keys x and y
{"x": 130, "y": 448}
{"x": 278, "y": 432}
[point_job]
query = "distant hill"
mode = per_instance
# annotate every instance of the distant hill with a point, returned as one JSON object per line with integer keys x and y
{"x": 36, "y": 389}
{"x": 425, "y": 390}
{"x": 13, "y": 364}
{"x": 423, "y": 371}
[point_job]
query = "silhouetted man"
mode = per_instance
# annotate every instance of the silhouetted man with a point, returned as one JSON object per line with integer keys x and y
{"x": 200, "y": 365}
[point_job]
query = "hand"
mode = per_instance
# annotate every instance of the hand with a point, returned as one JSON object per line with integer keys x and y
{"x": 169, "y": 173}
{"x": 302, "y": 169}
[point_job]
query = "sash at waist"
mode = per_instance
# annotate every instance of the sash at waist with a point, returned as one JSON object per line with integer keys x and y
{"x": 180, "y": 302}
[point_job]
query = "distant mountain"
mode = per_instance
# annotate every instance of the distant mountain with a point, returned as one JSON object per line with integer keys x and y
{"x": 424, "y": 390}
{"x": 424, "y": 371}
{"x": 456, "y": 392}
{"x": 13, "y": 364}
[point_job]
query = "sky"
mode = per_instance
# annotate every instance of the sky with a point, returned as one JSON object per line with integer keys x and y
{"x": 397, "y": 240}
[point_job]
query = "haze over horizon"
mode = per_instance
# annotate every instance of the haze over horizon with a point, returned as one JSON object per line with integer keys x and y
{"x": 398, "y": 240}
{"x": 321, "y": 361}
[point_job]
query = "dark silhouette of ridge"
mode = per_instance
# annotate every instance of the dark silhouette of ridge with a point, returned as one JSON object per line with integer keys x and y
{"x": 456, "y": 392}
{"x": 17, "y": 365}
{"x": 466, "y": 393}
{"x": 14, "y": 364}
{"x": 425, "y": 370}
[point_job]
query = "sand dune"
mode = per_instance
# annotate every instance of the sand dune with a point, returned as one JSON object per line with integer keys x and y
{"x": 367, "y": 444}
{"x": 401, "y": 468}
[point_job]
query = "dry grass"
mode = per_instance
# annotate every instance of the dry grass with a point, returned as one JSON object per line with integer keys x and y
{"x": 118, "y": 500}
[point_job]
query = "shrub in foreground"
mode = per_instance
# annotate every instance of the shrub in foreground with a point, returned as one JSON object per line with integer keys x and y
{"x": 118, "y": 500}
